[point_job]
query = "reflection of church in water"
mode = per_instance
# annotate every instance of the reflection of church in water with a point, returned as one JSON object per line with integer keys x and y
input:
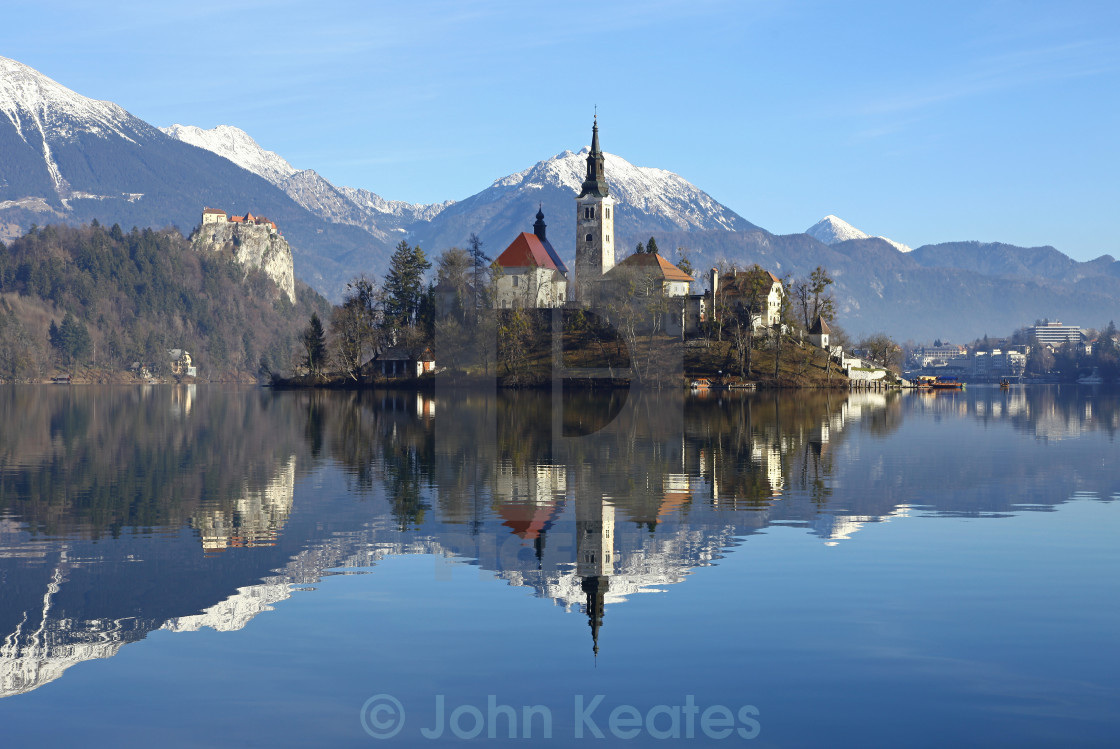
{"x": 564, "y": 525}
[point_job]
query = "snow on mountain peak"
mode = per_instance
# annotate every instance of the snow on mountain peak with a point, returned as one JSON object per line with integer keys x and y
{"x": 30, "y": 99}
{"x": 238, "y": 146}
{"x": 833, "y": 229}
{"x": 646, "y": 189}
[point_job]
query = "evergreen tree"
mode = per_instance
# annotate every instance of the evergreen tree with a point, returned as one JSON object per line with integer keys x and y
{"x": 640, "y": 249}
{"x": 651, "y": 246}
{"x": 481, "y": 262}
{"x": 404, "y": 285}
{"x": 685, "y": 263}
{"x": 315, "y": 345}
{"x": 71, "y": 339}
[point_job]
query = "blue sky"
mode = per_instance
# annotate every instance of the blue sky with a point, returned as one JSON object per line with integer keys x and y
{"x": 924, "y": 122}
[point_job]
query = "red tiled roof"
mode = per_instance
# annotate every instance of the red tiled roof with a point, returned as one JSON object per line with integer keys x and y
{"x": 657, "y": 264}
{"x": 526, "y": 520}
{"x": 525, "y": 252}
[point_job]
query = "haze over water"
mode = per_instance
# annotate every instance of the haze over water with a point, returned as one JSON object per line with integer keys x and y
{"x": 209, "y": 566}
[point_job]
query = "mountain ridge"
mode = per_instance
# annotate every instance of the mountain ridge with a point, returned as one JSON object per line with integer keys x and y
{"x": 832, "y": 229}
{"x": 69, "y": 159}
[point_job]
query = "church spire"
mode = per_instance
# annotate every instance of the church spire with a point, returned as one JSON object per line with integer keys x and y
{"x": 595, "y": 602}
{"x": 538, "y": 227}
{"x": 595, "y": 183}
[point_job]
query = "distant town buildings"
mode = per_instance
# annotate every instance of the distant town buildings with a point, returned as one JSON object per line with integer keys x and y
{"x": 938, "y": 356}
{"x": 1056, "y": 334}
{"x": 954, "y": 359}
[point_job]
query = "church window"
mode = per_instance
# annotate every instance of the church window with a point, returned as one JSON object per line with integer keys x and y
{"x": 589, "y": 212}
{"x": 588, "y": 237}
{"x": 608, "y": 213}
{"x": 608, "y": 239}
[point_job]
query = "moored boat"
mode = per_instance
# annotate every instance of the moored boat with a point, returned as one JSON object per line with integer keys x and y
{"x": 947, "y": 383}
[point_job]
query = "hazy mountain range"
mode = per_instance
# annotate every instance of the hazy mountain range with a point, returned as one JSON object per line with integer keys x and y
{"x": 67, "y": 158}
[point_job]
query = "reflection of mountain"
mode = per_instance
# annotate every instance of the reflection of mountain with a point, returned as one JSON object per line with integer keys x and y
{"x": 42, "y": 646}
{"x": 586, "y": 520}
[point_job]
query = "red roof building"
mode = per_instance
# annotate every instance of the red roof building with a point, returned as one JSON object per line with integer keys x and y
{"x": 529, "y": 276}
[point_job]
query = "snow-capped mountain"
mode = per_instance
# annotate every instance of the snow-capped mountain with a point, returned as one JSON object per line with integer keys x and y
{"x": 649, "y": 201}
{"x": 41, "y": 115}
{"x": 832, "y": 229}
{"x": 32, "y": 102}
{"x": 655, "y": 192}
{"x": 236, "y": 145}
{"x": 68, "y": 158}
{"x": 338, "y": 205}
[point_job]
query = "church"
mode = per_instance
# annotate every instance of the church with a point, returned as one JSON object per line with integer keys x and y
{"x": 532, "y": 273}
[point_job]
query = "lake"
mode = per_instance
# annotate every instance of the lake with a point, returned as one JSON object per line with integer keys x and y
{"x": 208, "y": 566}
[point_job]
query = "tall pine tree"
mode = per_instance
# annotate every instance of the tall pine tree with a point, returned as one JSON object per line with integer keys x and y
{"x": 404, "y": 286}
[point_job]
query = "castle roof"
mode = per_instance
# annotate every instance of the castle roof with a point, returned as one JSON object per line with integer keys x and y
{"x": 820, "y": 327}
{"x": 213, "y": 211}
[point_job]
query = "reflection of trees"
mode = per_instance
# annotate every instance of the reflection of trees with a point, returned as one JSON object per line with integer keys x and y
{"x": 379, "y": 436}
{"x": 98, "y": 460}
{"x": 653, "y": 454}
{"x": 754, "y": 447}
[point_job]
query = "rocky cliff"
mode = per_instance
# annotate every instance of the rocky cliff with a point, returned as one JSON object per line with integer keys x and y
{"x": 255, "y": 246}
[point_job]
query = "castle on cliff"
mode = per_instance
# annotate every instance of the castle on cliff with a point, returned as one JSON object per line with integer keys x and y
{"x": 218, "y": 216}
{"x": 253, "y": 241}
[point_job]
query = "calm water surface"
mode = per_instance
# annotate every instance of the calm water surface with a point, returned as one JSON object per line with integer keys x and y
{"x": 202, "y": 566}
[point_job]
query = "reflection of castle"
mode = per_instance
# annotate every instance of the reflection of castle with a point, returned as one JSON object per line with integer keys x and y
{"x": 256, "y": 517}
{"x": 559, "y": 523}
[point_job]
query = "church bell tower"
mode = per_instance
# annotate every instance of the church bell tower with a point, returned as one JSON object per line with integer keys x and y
{"x": 594, "y": 224}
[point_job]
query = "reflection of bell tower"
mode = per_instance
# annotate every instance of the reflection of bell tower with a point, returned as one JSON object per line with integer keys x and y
{"x": 595, "y": 557}
{"x": 594, "y": 223}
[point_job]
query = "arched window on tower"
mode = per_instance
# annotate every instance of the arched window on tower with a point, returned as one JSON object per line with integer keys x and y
{"x": 588, "y": 237}
{"x": 589, "y": 212}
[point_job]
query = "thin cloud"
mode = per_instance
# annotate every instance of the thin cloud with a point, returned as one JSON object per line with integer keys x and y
{"x": 1017, "y": 69}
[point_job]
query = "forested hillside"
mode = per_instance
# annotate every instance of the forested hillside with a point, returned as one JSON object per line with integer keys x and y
{"x": 92, "y": 300}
